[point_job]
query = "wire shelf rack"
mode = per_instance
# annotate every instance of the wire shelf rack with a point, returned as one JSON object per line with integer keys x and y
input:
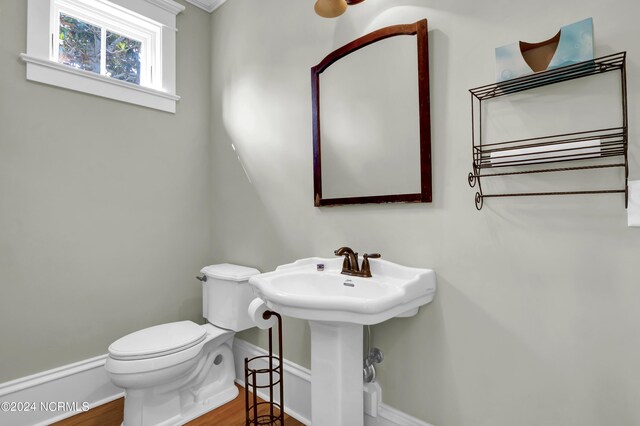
{"x": 529, "y": 156}
{"x": 600, "y": 65}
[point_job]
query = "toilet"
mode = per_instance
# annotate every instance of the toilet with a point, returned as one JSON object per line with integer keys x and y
{"x": 175, "y": 372}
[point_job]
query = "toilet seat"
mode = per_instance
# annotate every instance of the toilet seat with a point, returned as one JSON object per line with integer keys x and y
{"x": 170, "y": 356}
{"x": 157, "y": 341}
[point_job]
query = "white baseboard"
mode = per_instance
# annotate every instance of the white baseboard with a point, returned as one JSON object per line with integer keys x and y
{"x": 297, "y": 390}
{"x": 78, "y": 383}
{"x": 87, "y": 382}
{"x": 388, "y": 416}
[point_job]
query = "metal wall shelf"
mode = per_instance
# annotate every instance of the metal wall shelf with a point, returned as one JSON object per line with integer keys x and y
{"x": 516, "y": 155}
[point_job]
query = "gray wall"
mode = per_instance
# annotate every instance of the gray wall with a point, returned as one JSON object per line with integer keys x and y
{"x": 105, "y": 207}
{"x": 109, "y": 209}
{"x": 536, "y": 317}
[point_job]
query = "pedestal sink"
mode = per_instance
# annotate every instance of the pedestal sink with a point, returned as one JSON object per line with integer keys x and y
{"x": 337, "y": 306}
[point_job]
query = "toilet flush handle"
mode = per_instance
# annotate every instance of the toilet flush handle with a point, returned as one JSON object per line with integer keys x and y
{"x": 202, "y": 278}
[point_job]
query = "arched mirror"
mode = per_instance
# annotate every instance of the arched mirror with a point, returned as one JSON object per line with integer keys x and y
{"x": 371, "y": 120}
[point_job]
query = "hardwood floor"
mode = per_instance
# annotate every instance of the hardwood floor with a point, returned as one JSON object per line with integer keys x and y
{"x": 109, "y": 414}
{"x": 230, "y": 414}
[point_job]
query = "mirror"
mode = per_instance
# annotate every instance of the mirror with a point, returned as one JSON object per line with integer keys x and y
{"x": 373, "y": 144}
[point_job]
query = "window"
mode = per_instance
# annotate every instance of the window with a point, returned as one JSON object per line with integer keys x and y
{"x": 102, "y": 48}
{"x": 82, "y": 47}
{"x": 106, "y": 41}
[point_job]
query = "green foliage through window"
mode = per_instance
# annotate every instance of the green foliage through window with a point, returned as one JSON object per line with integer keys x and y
{"x": 123, "y": 58}
{"x": 79, "y": 44}
{"x": 81, "y": 48}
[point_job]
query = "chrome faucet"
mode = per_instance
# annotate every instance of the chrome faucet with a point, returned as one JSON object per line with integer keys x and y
{"x": 350, "y": 264}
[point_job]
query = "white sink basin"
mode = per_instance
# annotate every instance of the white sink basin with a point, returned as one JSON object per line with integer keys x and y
{"x": 337, "y": 306}
{"x": 299, "y": 290}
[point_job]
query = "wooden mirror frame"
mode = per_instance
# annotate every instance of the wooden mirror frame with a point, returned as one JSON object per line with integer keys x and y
{"x": 419, "y": 29}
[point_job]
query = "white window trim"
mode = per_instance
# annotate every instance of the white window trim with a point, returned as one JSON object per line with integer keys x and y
{"x": 42, "y": 67}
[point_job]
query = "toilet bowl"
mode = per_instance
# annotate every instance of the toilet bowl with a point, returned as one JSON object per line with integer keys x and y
{"x": 175, "y": 372}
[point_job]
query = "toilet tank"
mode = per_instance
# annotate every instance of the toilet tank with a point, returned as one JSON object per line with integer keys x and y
{"x": 226, "y": 295}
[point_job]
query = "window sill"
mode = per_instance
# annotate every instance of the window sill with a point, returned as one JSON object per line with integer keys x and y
{"x": 49, "y": 72}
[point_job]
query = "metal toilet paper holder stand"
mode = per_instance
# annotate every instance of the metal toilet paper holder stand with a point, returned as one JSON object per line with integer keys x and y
{"x": 251, "y": 376}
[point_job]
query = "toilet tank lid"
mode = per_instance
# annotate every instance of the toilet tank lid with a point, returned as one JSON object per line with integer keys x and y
{"x": 228, "y": 271}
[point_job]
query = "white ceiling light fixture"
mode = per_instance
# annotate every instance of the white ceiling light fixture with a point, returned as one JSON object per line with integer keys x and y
{"x": 333, "y": 8}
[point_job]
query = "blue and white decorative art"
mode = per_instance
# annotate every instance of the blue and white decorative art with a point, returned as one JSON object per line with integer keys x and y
{"x": 575, "y": 45}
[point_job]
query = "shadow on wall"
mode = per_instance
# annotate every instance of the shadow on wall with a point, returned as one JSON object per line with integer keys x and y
{"x": 256, "y": 224}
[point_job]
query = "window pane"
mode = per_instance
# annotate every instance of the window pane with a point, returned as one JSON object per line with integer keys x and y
{"x": 123, "y": 58}
{"x": 79, "y": 44}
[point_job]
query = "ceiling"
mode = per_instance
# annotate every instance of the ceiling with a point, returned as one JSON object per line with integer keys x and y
{"x": 208, "y": 5}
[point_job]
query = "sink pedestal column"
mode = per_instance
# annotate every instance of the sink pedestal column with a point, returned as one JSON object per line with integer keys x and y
{"x": 336, "y": 374}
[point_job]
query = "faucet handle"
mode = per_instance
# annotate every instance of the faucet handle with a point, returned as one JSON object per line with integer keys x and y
{"x": 366, "y": 268}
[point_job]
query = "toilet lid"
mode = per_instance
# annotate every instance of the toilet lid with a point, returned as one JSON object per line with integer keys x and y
{"x": 157, "y": 341}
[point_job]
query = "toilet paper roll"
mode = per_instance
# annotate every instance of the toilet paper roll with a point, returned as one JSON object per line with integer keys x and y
{"x": 257, "y": 307}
